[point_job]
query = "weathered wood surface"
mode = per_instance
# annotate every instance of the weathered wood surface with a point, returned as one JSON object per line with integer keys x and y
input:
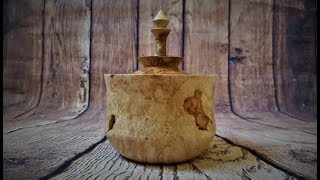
{"x": 206, "y": 44}
{"x": 250, "y": 61}
{"x": 251, "y": 79}
{"x": 221, "y": 160}
{"x": 288, "y": 147}
{"x": 34, "y": 152}
{"x": 294, "y": 57}
{"x": 113, "y": 49}
{"x": 47, "y": 147}
{"x": 64, "y": 87}
{"x": 281, "y": 121}
{"x": 22, "y": 56}
{"x": 113, "y": 39}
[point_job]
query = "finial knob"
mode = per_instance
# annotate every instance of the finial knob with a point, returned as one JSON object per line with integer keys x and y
{"x": 160, "y": 33}
{"x": 161, "y": 20}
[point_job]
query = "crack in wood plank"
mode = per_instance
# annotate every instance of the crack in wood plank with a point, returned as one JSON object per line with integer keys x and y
{"x": 38, "y": 125}
{"x": 262, "y": 158}
{"x": 275, "y": 126}
{"x": 104, "y": 157}
{"x": 68, "y": 162}
{"x": 277, "y": 153}
{"x": 45, "y": 124}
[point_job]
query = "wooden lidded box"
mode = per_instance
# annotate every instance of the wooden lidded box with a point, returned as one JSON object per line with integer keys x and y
{"x": 160, "y": 114}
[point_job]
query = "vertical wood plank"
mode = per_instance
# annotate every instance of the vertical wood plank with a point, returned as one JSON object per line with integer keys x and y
{"x": 148, "y": 9}
{"x": 65, "y": 64}
{"x": 113, "y": 44}
{"x": 22, "y": 56}
{"x": 250, "y": 61}
{"x": 294, "y": 57}
{"x": 67, "y": 27}
{"x": 113, "y": 34}
{"x": 206, "y": 44}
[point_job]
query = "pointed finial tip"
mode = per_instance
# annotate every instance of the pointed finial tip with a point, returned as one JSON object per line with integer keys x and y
{"x": 161, "y": 15}
{"x": 161, "y": 20}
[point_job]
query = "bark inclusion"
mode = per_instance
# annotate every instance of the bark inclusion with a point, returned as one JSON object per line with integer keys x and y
{"x": 193, "y": 106}
{"x": 112, "y": 120}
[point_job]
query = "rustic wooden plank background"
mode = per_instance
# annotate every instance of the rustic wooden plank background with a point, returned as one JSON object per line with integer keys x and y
{"x": 22, "y": 67}
{"x": 295, "y": 58}
{"x": 56, "y": 52}
{"x": 206, "y": 27}
{"x": 250, "y": 58}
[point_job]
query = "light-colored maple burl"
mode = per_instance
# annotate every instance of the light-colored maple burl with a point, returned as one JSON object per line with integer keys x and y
{"x": 160, "y": 114}
{"x": 160, "y": 118}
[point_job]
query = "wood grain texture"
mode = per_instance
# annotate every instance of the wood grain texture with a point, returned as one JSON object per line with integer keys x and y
{"x": 66, "y": 59}
{"x": 47, "y": 147}
{"x": 206, "y": 44}
{"x": 22, "y": 56}
{"x": 294, "y": 57}
{"x": 34, "y": 152}
{"x": 66, "y": 64}
{"x": 113, "y": 45}
{"x": 288, "y": 147}
{"x": 148, "y": 9}
{"x": 281, "y": 121}
{"x": 72, "y": 137}
{"x": 160, "y": 118}
{"x": 250, "y": 61}
{"x": 221, "y": 161}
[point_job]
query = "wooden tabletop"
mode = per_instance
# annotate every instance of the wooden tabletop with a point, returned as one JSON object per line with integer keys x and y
{"x": 241, "y": 149}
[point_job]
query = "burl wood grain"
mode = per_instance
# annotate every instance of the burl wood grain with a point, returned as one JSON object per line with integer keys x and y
{"x": 193, "y": 106}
